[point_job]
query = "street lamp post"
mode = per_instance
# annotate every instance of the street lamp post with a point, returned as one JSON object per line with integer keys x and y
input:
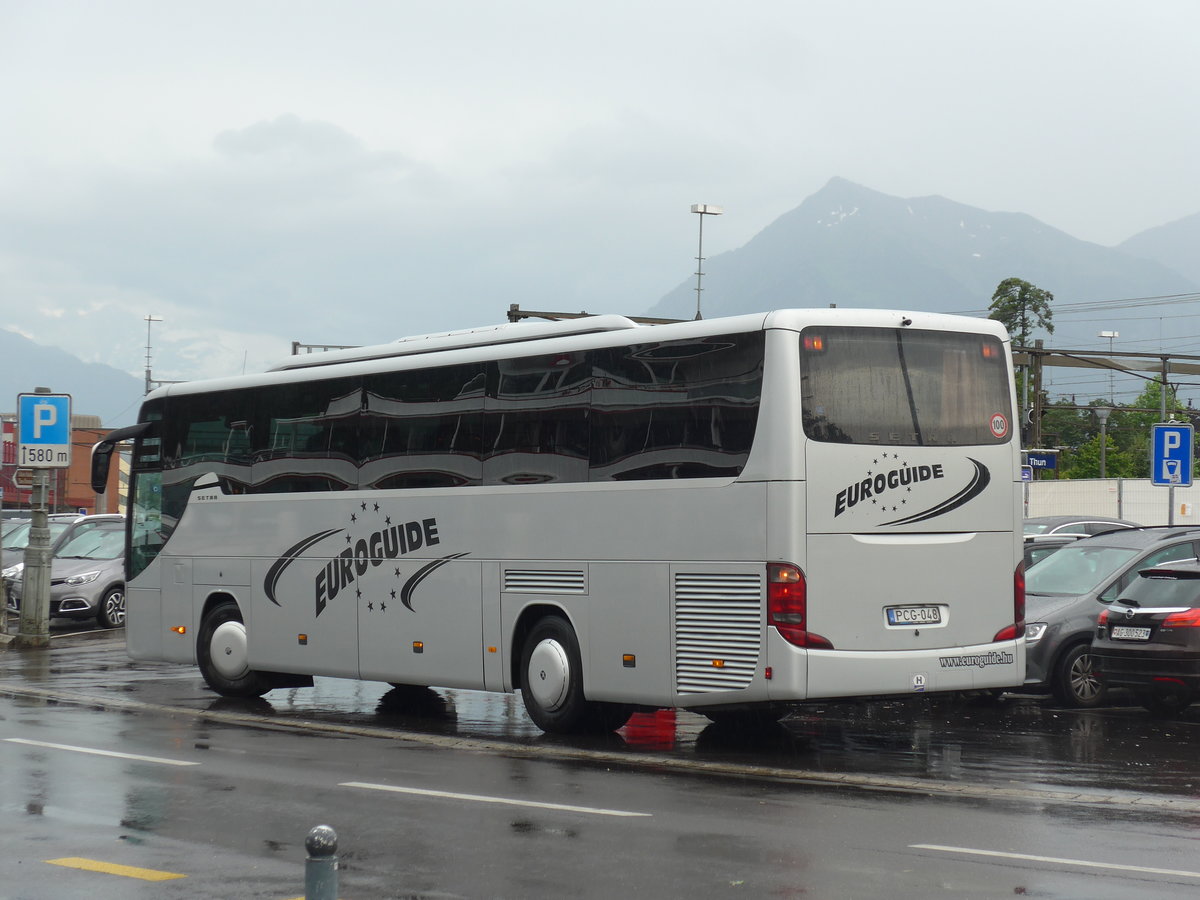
{"x": 702, "y": 209}
{"x": 1102, "y": 413}
{"x": 1111, "y": 387}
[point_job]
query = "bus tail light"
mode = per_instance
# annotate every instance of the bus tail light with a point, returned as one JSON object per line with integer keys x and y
{"x": 1017, "y": 628}
{"x": 787, "y": 606}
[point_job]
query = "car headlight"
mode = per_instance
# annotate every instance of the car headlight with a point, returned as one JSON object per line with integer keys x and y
{"x": 82, "y": 578}
{"x": 1034, "y": 631}
{"x": 13, "y": 571}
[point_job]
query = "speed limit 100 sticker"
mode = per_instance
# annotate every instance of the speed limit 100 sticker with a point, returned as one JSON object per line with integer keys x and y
{"x": 999, "y": 425}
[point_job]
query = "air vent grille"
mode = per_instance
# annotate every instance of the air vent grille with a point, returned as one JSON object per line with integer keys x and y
{"x": 718, "y": 628}
{"x": 544, "y": 581}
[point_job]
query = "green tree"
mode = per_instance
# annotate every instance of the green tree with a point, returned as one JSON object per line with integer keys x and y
{"x": 1132, "y": 425}
{"x": 1021, "y": 307}
{"x": 1065, "y": 426}
{"x": 1085, "y": 461}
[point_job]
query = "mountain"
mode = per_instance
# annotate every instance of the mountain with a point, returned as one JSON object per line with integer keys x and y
{"x": 95, "y": 389}
{"x": 851, "y": 246}
{"x": 1172, "y": 245}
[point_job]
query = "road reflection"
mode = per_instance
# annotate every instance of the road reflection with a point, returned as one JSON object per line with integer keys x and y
{"x": 1016, "y": 740}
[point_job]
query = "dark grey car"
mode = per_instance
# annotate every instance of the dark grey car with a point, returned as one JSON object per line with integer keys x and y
{"x": 1065, "y": 593}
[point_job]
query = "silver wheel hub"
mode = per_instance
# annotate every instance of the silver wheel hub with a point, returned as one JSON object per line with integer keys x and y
{"x": 227, "y": 650}
{"x": 114, "y": 608}
{"x": 549, "y": 675}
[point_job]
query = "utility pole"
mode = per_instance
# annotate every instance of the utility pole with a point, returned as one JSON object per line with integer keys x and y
{"x": 149, "y": 380}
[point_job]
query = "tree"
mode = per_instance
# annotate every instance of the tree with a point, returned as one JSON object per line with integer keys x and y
{"x": 1021, "y": 307}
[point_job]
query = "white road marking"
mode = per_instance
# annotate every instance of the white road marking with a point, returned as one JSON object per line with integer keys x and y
{"x": 133, "y": 756}
{"x": 481, "y": 798}
{"x": 1029, "y": 857}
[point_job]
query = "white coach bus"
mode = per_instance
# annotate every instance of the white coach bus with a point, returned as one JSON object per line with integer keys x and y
{"x": 729, "y": 516}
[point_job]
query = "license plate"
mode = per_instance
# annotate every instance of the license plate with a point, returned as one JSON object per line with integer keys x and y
{"x": 914, "y": 615}
{"x": 1129, "y": 633}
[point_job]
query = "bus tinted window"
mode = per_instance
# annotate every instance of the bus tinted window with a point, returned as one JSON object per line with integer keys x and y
{"x": 672, "y": 409}
{"x": 423, "y": 428}
{"x": 903, "y": 387}
{"x": 210, "y": 433}
{"x": 676, "y": 409}
{"x": 306, "y": 437}
{"x": 536, "y": 428}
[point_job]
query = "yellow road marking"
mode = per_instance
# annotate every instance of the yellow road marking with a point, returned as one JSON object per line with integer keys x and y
{"x": 95, "y": 865}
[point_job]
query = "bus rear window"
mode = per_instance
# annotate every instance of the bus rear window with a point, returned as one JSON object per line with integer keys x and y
{"x": 904, "y": 387}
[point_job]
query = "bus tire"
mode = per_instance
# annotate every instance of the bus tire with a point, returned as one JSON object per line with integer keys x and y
{"x": 222, "y": 652}
{"x": 1075, "y": 682}
{"x": 552, "y": 678}
{"x": 111, "y": 611}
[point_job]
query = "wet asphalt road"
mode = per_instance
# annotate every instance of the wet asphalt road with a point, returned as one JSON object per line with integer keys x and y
{"x": 922, "y": 797}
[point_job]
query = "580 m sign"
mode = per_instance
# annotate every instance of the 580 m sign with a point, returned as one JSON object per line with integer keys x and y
{"x": 43, "y": 456}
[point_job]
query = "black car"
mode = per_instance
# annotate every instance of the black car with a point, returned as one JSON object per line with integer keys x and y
{"x": 1065, "y": 592}
{"x": 1149, "y": 639}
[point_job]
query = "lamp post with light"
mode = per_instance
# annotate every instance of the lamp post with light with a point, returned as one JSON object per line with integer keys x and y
{"x": 702, "y": 209}
{"x": 1111, "y": 388}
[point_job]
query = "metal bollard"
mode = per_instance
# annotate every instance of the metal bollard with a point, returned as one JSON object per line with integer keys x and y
{"x": 321, "y": 867}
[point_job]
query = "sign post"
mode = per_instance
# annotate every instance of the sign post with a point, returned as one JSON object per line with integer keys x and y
{"x": 43, "y": 443}
{"x": 1172, "y": 458}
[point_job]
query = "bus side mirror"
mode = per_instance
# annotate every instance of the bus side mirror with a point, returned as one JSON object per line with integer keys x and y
{"x": 102, "y": 452}
{"x": 101, "y": 457}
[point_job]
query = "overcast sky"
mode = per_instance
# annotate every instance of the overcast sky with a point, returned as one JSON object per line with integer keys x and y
{"x": 255, "y": 173}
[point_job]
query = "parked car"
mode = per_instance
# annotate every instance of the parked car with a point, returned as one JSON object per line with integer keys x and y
{"x": 16, "y": 539}
{"x": 1075, "y": 524}
{"x": 1065, "y": 593}
{"x": 1149, "y": 639}
{"x": 1039, "y": 546}
{"x": 87, "y": 574}
{"x": 10, "y": 524}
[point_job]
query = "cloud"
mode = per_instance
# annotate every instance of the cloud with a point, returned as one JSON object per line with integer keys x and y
{"x": 289, "y": 136}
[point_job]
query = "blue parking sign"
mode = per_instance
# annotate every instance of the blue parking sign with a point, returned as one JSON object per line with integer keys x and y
{"x": 1171, "y": 454}
{"x": 44, "y": 430}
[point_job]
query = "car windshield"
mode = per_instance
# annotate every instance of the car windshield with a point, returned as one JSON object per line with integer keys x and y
{"x": 1036, "y": 553}
{"x": 18, "y": 538}
{"x": 94, "y": 544}
{"x": 1076, "y": 569}
{"x": 1036, "y": 527}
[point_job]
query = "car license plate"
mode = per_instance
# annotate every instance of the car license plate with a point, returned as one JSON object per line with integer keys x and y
{"x": 1129, "y": 633}
{"x": 914, "y": 615}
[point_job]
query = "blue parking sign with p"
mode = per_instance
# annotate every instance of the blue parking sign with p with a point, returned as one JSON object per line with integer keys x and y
{"x": 1171, "y": 455}
{"x": 44, "y": 430}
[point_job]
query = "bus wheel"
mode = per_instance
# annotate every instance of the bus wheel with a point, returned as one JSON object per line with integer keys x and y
{"x": 111, "y": 613}
{"x": 223, "y": 654}
{"x": 551, "y": 678}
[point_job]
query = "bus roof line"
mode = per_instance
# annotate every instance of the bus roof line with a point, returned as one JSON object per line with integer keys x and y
{"x": 507, "y": 333}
